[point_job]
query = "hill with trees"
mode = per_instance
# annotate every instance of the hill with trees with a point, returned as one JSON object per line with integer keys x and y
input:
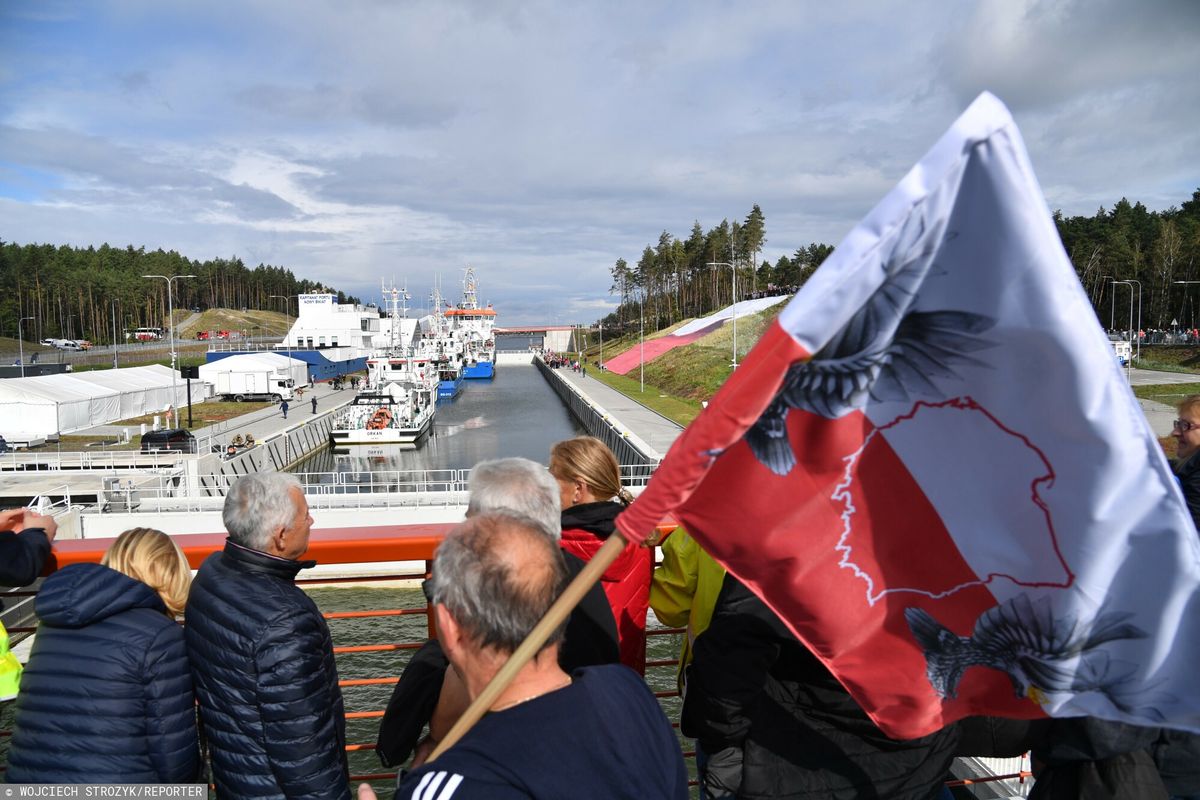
{"x": 76, "y": 292}
{"x": 677, "y": 279}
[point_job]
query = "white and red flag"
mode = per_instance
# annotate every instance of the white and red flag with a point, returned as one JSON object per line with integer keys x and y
{"x": 932, "y": 469}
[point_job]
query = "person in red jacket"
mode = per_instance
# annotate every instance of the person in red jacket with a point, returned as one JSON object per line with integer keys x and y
{"x": 589, "y": 482}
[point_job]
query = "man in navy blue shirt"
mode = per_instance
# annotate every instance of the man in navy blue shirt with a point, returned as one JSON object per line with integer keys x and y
{"x": 598, "y": 732}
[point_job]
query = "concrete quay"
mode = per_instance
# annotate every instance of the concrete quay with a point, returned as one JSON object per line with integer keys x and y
{"x": 651, "y": 427}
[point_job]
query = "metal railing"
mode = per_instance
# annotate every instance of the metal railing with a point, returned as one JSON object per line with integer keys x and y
{"x": 323, "y": 490}
{"x": 85, "y": 460}
{"x": 416, "y": 544}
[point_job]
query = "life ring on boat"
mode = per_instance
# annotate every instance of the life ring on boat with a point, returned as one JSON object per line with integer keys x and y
{"x": 379, "y": 420}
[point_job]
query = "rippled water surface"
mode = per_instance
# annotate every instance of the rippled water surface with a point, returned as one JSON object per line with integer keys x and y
{"x": 515, "y": 413}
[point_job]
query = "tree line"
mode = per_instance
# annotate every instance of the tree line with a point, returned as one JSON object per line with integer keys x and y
{"x": 678, "y": 279}
{"x": 1157, "y": 252}
{"x": 88, "y": 293}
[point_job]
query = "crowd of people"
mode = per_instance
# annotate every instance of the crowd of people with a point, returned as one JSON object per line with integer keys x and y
{"x": 1188, "y": 336}
{"x": 115, "y": 691}
{"x": 560, "y": 361}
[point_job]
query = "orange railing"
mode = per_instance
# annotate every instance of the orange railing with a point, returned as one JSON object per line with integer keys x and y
{"x": 395, "y": 543}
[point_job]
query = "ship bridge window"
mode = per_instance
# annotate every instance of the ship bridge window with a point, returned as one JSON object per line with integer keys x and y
{"x": 333, "y": 341}
{"x": 321, "y": 341}
{"x": 310, "y": 341}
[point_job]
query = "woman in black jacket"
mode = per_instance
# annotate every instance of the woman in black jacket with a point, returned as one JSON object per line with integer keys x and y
{"x": 107, "y": 694}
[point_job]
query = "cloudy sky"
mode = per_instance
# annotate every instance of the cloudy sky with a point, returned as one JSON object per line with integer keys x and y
{"x": 539, "y": 141}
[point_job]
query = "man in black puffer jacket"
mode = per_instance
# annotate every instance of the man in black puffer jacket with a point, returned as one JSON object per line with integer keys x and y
{"x": 775, "y": 723}
{"x": 262, "y": 656}
{"x": 25, "y": 539}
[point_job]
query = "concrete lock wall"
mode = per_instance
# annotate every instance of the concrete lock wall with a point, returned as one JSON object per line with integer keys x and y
{"x": 626, "y": 446}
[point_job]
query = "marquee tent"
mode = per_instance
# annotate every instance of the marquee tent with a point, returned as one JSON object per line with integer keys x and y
{"x": 50, "y": 405}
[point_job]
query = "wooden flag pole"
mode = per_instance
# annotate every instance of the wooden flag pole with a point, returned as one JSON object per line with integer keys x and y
{"x": 532, "y": 645}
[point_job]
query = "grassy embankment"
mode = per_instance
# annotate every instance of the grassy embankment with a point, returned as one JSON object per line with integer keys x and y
{"x": 678, "y": 381}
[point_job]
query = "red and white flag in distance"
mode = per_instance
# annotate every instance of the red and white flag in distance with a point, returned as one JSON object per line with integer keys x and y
{"x": 932, "y": 469}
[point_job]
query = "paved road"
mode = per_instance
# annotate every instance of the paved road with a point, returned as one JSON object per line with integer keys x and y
{"x": 1161, "y": 416}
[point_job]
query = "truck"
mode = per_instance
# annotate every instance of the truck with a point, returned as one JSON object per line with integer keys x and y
{"x": 255, "y": 385}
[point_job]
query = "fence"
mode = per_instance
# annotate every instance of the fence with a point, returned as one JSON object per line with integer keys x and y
{"x": 626, "y": 446}
{"x": 366, "y": 686}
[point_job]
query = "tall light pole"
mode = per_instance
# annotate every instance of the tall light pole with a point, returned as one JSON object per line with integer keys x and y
{"x": 733, "y": 297}
{"x": 642, "y": 343}
{"x": 1132, "y": 333}
{"x": 1138, "y": 335}
{"x": 113, "y": 316}
{"x": 288, "y": 313}
{"x": 21, "y": 344}
{"x": 171, "y": 330}
{"x": 601, "y": 345}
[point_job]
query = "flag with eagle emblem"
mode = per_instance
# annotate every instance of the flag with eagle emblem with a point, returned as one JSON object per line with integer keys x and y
{"x": 932, "y": 468}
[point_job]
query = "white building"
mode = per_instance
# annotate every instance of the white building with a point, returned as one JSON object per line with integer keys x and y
{"x": 323, "y": 322}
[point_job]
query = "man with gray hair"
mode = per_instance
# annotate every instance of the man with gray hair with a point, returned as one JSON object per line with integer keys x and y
{"x": 261, "y": 653}
{"x": 430, "y": 693}
{"x": 595, "y": 733}
{"x": 526, "y": 488}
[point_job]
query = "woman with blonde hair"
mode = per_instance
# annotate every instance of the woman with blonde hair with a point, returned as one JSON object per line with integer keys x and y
{"x": 589, "y": 484}
{"x": 107, "y": 694}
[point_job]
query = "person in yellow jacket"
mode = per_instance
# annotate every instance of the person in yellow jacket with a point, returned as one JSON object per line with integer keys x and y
{"x": 684, "y": 591}
{"x": 10, "y": 668}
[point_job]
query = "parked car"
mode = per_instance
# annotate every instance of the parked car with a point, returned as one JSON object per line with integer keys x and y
{"x": 178, "y": 439}
{"x": 48, "y": 342}
{"x": 66, "y": 344}
{"x": 84, "y": 344}
{"x": 202, "y": 336}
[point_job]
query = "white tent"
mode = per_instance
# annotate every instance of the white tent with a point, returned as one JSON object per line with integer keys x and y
{"x": 49, "y": 405}
{"x": 144, "y": 390}
{"x": 257, "y": 362}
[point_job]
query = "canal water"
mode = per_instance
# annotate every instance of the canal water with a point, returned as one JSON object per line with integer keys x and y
{"x": 516, "y": 413}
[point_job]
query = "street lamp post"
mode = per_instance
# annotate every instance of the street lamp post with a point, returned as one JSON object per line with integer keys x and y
{"x": 288, "y": 313}
{"x": 21, "y": 344}
{"x": 1138, "y": 335}
{"x": 1131, "y": 331}
{"x": 113, "y": 316}
{"x": 171, "y": 330}
{"x": 642, "y": 344}
{"x": 733, "y": 297}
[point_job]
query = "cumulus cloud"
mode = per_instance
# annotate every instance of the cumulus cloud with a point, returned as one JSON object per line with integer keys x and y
{"x": 542, "y": 141}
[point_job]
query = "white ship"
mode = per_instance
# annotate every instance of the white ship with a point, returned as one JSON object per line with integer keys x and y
{"x": 394, "y": 413}
{"x": 473, "y": 326}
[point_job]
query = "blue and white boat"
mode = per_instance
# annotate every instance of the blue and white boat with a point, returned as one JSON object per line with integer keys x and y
{"x": 472, "y": 326}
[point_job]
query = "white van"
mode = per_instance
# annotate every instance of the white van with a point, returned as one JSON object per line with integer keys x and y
{"x": 66, "y": 344}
